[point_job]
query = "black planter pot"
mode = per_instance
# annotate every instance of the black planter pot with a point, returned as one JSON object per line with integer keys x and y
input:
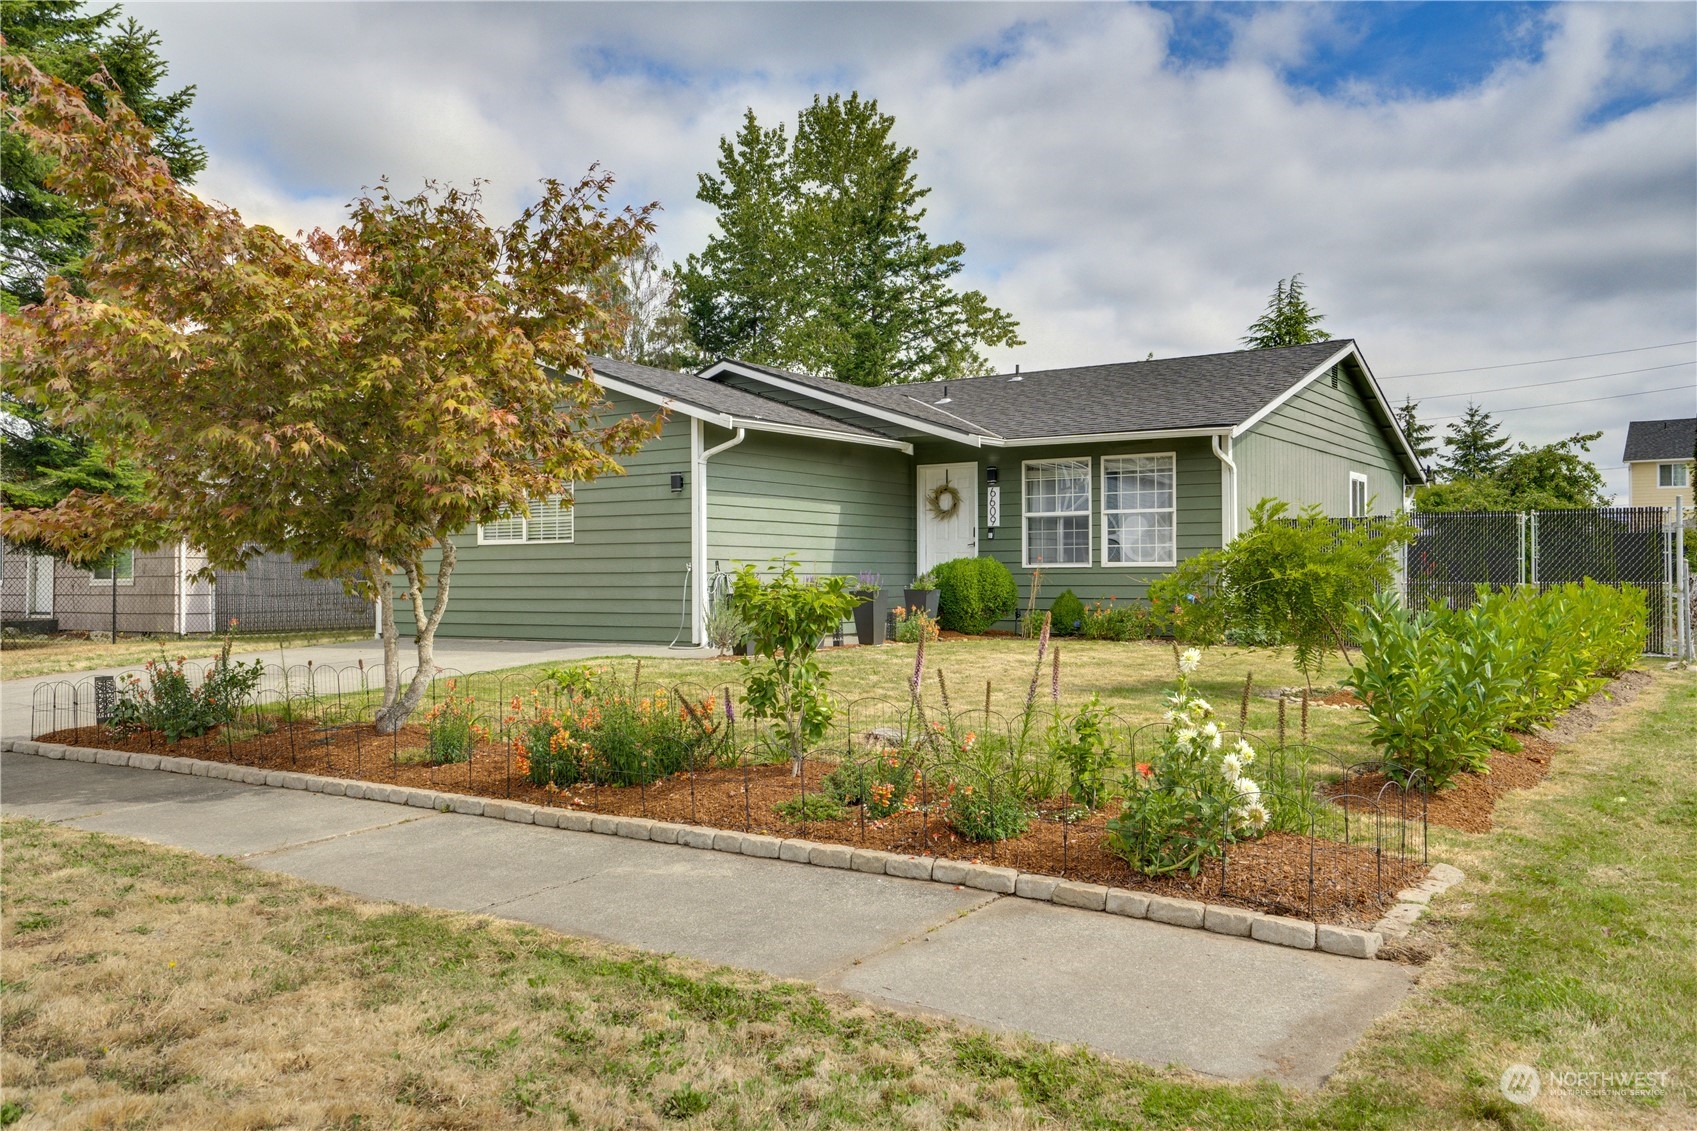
{"x": 922, "y": 599}
{"x": 869, "y": 616}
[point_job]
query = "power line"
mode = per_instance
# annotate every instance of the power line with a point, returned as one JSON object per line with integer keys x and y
{"x": 1581, "y": 400}
{"x": 1563, "y": 381}
{"x": 1546, "y": 361}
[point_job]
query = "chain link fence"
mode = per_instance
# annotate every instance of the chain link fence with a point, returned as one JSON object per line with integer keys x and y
{"x": 157, "y": 594}
{"x": 1454, "y": 552}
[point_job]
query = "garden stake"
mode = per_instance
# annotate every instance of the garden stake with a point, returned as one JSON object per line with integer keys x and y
{"x": 747, "y": 812}
{"x": 1243, "y": 708}
{"x": 1064, "y": 839}
{"x": 692, "y": 786}
{"x": 1311, "y": 822}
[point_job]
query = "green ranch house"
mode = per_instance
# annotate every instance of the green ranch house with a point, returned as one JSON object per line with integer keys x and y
{"x": 1103, "y": 475}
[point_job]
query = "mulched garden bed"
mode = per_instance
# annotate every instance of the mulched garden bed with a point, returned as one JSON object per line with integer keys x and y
{"x": 1467, "y": 804}
{"x": 1351, "y": 884}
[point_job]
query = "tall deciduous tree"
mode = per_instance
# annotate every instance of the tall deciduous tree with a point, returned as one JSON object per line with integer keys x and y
{"x": 1474, "y": 448}
{"x": 1288, "y": 319}
{"x": 655, "y": 328}
{"x": 821, "y": 262}
{"x": 353, "y": 400}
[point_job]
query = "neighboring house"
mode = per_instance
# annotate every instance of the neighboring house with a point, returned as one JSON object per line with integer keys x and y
{"x": 1658, "y": 458}
{"x": 157, "y": 594}
{"x": 1102, "y": 476}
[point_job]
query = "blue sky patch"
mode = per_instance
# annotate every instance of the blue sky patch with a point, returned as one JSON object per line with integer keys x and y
{"x": 1388, "y": 50}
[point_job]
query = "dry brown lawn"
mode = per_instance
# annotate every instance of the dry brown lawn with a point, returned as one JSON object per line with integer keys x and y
{"x": 24, "y": 657}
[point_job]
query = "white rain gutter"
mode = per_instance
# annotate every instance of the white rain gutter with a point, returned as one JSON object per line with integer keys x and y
{"x": 698, "y": 527}
{"x": 1228, "y": 486}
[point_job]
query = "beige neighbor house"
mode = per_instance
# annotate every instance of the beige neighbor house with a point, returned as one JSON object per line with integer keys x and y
{"x": 1659, "y": 459}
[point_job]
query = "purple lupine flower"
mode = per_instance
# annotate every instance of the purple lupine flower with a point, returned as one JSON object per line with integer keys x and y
{"x": 730, "y": 711}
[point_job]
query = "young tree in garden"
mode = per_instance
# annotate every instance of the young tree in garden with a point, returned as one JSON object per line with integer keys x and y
{"x": 1287, "y": 321}
{"x": 821, "y": 262}
{"x": 353, "y": 400}
{"x": 1420, "y": 436}
{"x": 41, "y": 231}
{"x": 1475, "y": 450}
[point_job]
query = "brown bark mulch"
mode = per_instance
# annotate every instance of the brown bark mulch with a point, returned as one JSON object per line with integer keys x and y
{"x": 1351, "y": 884}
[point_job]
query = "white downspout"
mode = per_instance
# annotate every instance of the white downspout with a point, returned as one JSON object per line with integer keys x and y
{"x": 1228, "y": 487}
{"x": 699, "y": 525}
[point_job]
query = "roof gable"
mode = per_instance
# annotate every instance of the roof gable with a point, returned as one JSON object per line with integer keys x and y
{"x": 1661, "y": 439}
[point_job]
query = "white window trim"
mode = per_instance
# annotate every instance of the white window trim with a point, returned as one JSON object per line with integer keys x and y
{"x": 1671, "y": 468}
{"x": 106, "y": 582}
{"x": 1366, "y": 498}
{"x": 1089, "y": 513}
{"x": 1169, "y": 563}
{"x": 525, "y": 539}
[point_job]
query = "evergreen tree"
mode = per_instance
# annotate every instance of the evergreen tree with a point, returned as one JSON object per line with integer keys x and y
{"x": 1419, "y": 435}
{"x": 1475, "y": 449}
{"x": 1287, "y": 321}
{"x": 822, "y": 264}
{"x": 42, "y": 233}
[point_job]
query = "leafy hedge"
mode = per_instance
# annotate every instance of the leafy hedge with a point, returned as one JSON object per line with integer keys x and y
{"x": 974, "y": 593}
{"x": 1446, "y": 687}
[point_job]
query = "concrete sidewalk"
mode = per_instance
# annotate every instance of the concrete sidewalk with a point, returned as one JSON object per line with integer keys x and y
{"x": 1132, "y": 988}
{"x": 457, "y": 656}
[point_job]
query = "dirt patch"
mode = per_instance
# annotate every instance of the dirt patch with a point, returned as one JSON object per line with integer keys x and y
{"x": 1350, "y": 885}
{"x": 1468, "y": 803}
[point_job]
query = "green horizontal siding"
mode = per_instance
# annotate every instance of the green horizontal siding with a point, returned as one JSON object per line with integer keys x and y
{"x": 1304, "y": 451}
{"x": 839, "y": 508}
{"x": 1196, "y": 518}
{"x": 621, "y": 580}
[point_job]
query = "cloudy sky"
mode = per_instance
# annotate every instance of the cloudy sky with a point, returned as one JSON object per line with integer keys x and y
{"x": 1461, "y": 185}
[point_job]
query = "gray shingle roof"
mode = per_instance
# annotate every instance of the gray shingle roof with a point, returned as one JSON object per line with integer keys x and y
{"x": 1660, "y": 439}
{"x": 1218, "y": 390}
{"x": 743, "y": 407}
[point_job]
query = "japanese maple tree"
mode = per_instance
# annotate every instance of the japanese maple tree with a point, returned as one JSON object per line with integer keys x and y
{"x": 351, "y": 397}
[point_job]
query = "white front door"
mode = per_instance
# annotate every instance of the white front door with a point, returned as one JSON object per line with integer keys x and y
{"x": 40, "y": 573}
{"x": 953, "y": 533}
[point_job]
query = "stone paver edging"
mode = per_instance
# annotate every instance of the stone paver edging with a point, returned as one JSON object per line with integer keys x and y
{"x": 1277, "y": 930}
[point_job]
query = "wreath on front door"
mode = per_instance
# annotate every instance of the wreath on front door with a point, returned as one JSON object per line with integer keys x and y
{"x": 943, "y": 501}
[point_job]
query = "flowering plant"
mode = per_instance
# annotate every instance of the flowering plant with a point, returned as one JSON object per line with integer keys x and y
{"x": 1194, "y": 795}
{"x": 914, "y": 623}
{"x": 453, "y": 729}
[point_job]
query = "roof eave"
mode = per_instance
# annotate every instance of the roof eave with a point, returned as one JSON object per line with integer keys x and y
{"x": 876, "y": 412}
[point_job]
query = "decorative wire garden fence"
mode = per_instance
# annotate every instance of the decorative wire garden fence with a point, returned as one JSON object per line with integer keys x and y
{"x": 967, "y": 783}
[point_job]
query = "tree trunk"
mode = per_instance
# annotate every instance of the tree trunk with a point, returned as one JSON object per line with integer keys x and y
{"x": 379, "y": 573}
{"x": 395, "y": 713}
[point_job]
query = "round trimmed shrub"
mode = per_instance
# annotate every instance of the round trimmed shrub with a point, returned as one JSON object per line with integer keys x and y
{"x": 1066, "y": 615}
{"x": 973, "y": 594}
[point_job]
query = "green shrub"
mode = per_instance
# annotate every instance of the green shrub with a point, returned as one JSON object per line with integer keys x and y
{"x": 913, "y": 625}
{"x": 1444, "y": 687}
{"x": 974, "y": 593}
{"x": 1110, "y": 621}
{"x": 1066, "y": 615}
{"x": 1085, "y": 745}
{"x": 171, "y": 704}
{"x": 984, "y": 815}
{"x": 883, "y": 785}
{"x": 610, "y": 736}
{"x": 811, "y": 807}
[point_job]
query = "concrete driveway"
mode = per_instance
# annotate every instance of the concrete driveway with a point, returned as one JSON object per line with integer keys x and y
{"x": 455, "y": 655}
{"x": 1226, "y": 1007}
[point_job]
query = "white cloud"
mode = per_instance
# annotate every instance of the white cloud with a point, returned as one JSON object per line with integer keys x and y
{"x": 1114, "y": 202}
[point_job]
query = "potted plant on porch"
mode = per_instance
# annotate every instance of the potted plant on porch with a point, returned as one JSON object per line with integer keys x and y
{"x": 922, "y": 594}
{"x": 872, "y": 612}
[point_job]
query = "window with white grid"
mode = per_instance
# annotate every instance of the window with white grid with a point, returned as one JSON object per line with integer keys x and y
{"x": 551, "y": 520}
{"x": 1139, "y": 506}
{"x": 1057, "y": 512}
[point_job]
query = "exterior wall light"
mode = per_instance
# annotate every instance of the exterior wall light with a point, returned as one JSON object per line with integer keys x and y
{"x": 677, "y": 482}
